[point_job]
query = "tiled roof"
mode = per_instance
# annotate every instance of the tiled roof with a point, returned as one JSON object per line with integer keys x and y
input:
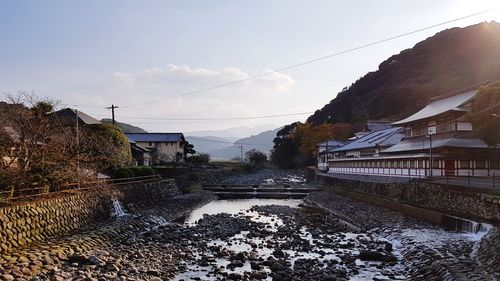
{"x": 71, "y": 113}
{"x": 155, "y": 137}
{"x": 331, "y": 143}
{"x": 383, "y": 138}
{"x": 435, "y": 107}
{"x": 424, "y": 144}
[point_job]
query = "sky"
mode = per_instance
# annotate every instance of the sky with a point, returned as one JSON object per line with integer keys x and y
{"x": 141, "y": 55}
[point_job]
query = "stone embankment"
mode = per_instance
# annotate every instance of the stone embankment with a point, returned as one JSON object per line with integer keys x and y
{"x": 102, "y": 242}
{"x": 489, "y": 252}
{"x": 25, "y": 223}
{"x": 459, "y": 201}
{"x": 429, "y": 253}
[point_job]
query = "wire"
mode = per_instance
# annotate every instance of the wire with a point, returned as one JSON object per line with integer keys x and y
{"x": 228, "y": 142}
{"x": 311, "y": 60}
{"x": 211, "y": 119}
{"x": 218, "y": 118}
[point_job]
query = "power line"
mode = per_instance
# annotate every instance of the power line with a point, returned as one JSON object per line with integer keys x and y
{"x": 211, "y": 119}
{"x": 312, "y": 60}
{"x": 218, "y": 118}
{"x": 228, "y": 142}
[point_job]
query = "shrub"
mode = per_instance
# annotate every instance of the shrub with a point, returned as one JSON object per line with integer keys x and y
{"x": 123, "y": 172}
{"x": 147, "y": 171}
{"x": 201, "y": 158}
{"x": 137, "y": 171}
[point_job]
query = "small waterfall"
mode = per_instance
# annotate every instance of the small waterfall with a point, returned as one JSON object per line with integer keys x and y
{"x": 118, "y": 209}
{"x": 465, "y": 225}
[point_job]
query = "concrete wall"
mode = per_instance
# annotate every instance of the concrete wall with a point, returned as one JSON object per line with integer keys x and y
{"x": 25, "y": 223}
{"x": 464, "y": 202}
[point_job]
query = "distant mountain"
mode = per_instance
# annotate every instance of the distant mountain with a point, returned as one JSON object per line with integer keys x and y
{"x": 235, "y": 132}
{"x": 207, "y": 144}
{"x": 450, "y": 60}
{"x": 126, "y": 127}
{"x": 262, "y": 142}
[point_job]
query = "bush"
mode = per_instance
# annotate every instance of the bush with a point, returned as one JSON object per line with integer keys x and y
{"x": 123, "y": 172}
{"x": 147, "y": 171}
{"x": 201, "y": 158}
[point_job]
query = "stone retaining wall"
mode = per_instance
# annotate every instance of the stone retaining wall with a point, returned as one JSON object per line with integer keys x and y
{"x": 25, "y": 223}
{"x": 489, "y": 252}
{"x": 52, "y": 217}
{"x": 148, "y": 194}
{"x": 464, "y": 202}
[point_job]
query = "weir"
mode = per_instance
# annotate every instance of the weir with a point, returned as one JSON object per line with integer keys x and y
{"x": 265, "y": 191}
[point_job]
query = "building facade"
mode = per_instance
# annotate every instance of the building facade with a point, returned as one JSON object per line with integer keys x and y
{"x": 164, "y": 147}
{"x": 435, "y": 141}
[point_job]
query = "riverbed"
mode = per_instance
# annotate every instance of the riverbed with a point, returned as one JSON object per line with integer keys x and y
{"x": 285, "y": 240}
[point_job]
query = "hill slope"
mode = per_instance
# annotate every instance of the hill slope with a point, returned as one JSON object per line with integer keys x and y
{"x": 262, "y": 142}
{"x": 127, "y": 128}
{"x": 450, "y": 60}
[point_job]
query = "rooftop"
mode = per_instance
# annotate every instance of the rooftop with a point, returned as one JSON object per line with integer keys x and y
{"x": 386, "y": 137}
{"x": 439, "y": 106}
{"x": 424, "y": 144}
{"x": 71, "y": 113}
{"x": 155, "y": 137}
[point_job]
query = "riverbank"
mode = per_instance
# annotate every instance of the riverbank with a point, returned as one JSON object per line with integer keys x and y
{"x": 428, "y": 251}
{"x": 103, "y": 250}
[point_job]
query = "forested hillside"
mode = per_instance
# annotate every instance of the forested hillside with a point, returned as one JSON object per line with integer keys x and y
{"x": 450, "y": 60}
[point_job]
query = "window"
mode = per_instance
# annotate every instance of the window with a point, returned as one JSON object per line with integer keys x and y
{"x": 420, "y": 164}
{"x": 495, "y": 164}
{"x": 413, "y": 164}
{"x": 435, "y": 163}
{"x": 405, "y": 164}
{"x": 464, "y": 164}
{"x": 481, "y": 164}
{"x": 150, "y": 144}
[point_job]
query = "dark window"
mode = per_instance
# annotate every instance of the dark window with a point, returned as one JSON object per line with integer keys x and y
{"x": 495, "y": 164}
{"x": 464, "y": 164}
{"x": 150, "y": 144}
{"x": 481, "y": 164}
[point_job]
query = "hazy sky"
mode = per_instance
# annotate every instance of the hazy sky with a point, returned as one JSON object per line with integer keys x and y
{"x": 97, "y": 53}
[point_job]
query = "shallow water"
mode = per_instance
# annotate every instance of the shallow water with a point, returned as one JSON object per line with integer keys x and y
{"x": 241, "y": 243}
{"x": 234, "y": 206}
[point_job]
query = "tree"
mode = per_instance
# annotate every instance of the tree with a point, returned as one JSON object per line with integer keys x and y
{"x": 295, "y": 144}
{"x": 285, "y": 153}
{"x": 188, "y": 150}
{"x": 484, "y": 113}
{"x": 255, "y": 157}
{"x": 50, "y": 151}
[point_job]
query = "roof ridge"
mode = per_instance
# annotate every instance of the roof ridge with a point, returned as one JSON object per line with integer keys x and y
{"x": 459, "y": 91}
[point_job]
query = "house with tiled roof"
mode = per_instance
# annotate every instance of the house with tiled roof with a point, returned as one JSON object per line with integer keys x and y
{"x": 438, "y": 140}
{"x": 164, "y": 147}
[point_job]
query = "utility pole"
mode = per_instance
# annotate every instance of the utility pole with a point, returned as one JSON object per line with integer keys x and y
{"x": 77, "y": 147}
{"x": 112, "y": 107}
{"x": 430, "y": 155}
{"x": 241, "y": 153}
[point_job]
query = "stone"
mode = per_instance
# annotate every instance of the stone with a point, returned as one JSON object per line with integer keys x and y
{"x": 7, "y": 277}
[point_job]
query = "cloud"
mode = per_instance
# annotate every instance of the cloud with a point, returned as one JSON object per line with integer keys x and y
{"x": 186, "y": 78}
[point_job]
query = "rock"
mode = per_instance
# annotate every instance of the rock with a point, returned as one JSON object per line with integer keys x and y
{"x": 7, "y": 277}
{"x": 369, "y": 255}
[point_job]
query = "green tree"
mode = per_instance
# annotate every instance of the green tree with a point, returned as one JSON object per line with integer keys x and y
{"x": 485, "y": 113}
{"x": 255, "y": 157}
